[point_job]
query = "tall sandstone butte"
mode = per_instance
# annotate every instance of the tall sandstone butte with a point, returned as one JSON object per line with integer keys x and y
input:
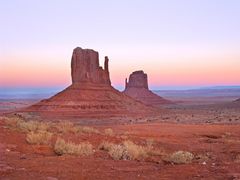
{"x": 85, "y": 67}
{"x": 90, "y": 94}
{"x": 137, "y": 88}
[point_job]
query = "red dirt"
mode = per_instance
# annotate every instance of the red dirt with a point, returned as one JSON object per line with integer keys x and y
{"x": 18, "y": 160}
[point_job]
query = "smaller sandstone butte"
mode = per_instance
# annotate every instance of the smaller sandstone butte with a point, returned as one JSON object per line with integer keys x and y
{"x": 90, "y": 94}
{"x": 137, "y": 88}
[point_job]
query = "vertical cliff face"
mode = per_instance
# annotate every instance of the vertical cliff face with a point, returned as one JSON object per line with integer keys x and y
{"x": 137, "y": 79}
{"x": 85, "y": 67}
{"x": 137, "y": 88}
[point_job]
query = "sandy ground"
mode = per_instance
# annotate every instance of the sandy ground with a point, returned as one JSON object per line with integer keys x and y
{"x": 209, "y": 131}
{"x": 221, "y": 144}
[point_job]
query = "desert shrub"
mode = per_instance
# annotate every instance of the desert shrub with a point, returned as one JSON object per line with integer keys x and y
{"x": 26, "y": 126}
{"x": 118, "y": 152}
{"x": 87, "y": 129}
{"x": 123, "y": 137}
{"x": 201, "y": 158}
{"x": 150, "y": 142}
{"x": 11, "y": 122}
{"x": 41, "y": 137}
{"x": 125, "y": 151}
{"x": 237, "y": 158}
{"x": 65, "y": 126}
{"x": 181, "y": 157}
{"x": 61, "y": 147}
{"x": 106, "y": 146}
{"x": 135, "y": 151}
{"x": 108, "y": 132}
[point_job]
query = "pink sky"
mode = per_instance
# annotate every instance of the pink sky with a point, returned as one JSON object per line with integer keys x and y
{"x": 177, "y": 43}
{"x": 192, "y": 70}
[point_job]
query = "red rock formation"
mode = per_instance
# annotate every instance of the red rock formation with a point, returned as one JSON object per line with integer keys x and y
{"x": 137, "y": 88}
{"x": 91, "y": 93}
{"x": 137, "y": 79}
{"x": 85, "y": 67}
{"x": 237, "y": 101}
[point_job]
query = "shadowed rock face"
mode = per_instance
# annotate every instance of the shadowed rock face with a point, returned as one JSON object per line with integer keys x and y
{"x": 85, "y": 67}
{"x": 137, "y": 88}
{"x": 91, "y": 93}
{"x": 137, "y": 79}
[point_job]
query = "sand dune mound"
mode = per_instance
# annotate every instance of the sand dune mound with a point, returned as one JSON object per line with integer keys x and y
{"x": 137, "y": 88}
{"x": 91, "y": 93}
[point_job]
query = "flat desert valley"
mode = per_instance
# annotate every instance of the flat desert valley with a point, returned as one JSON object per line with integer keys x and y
{"x": 208, "y": 130}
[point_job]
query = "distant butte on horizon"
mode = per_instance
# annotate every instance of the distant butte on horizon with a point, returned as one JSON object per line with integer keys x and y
{"x": 90, "y": 94}
{"x": 137, "y": 88}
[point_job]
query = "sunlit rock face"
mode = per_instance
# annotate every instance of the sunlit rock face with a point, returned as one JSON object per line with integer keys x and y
{"x": 90, "y": 94}
{"x": 85, "y": 67}
{"x": 137, "y": 88}
{"x": 137, "y": 79}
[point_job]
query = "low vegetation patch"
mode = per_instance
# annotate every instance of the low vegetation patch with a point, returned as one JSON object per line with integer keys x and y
{"x": 64, "y": 127}
{"x": 89, "y": 130}
{"x": 26, "y": 126}
{"x": 237, "y": 159}
{"x": 61, "y": 147}
{"x": 125, "y": 151}
{"x": 180, "y": 157}
{"x": 108, "y": 132}
{"x": 41, "y": 137}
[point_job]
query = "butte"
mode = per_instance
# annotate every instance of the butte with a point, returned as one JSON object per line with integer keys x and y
{"x": 90, "y": 94}
{"x": 137, "y": 88}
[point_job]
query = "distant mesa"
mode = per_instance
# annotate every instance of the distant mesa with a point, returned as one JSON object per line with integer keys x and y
{"x": 137, "y": 88}
{"x": 90, "y": 94}
{"x": 238, "y": 100}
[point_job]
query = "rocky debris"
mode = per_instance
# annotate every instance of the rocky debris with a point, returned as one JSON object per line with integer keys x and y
{"x": 137, "y": 88}
{"x": 91, "y": 93}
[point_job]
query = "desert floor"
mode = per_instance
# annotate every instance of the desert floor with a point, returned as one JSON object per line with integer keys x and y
{"x": 209, "y": 132}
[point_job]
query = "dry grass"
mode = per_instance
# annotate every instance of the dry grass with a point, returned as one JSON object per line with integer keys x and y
{"x": 237, "y": 158}
{"x": 150, "y": 142}
{"x": 125, "y": 151}
{"x": 11, "y": 122}
{"x": 106, "y": 146}
{"x": 32, "y": 126}
{"x": 61, "y": 147}
{"x": 41, "y": 137}
{"x": 108, "y": 132}
{"x": 26, "y": 126}
{"x": 89, "y": 130}
{"x": 118, "y": 152}
{"x": 180, "y": 157}
{"x": 135, "y": 151}
{"x": 64, "y": 127}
